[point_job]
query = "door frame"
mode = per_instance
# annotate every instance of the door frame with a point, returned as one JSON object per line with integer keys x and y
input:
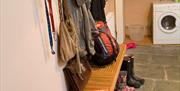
{"x": 119, "y": 21}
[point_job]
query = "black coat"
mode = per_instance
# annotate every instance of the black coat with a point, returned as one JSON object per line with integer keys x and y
{"x": 97, "y": 10}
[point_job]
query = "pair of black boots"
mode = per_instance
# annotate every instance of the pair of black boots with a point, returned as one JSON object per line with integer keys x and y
{"x": 132, "y": 79}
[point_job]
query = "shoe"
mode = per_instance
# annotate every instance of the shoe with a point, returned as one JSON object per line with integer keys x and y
{"x": 127, "y": 88}
{"x": 141, "y": 80}
{"x": 126, "y": 65}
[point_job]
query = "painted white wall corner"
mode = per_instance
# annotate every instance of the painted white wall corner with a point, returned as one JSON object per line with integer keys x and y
{"x": 119, "y": 20}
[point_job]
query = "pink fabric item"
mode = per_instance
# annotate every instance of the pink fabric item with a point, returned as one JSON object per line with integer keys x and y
{"x": 127, "y": 88}
{"x": 131, "y": 45}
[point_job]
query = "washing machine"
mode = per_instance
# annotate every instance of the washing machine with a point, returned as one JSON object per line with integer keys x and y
{"x": 166, "y": 23}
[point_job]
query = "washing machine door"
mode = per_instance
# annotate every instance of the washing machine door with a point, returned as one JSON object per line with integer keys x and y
{"x": 168, "y": 22}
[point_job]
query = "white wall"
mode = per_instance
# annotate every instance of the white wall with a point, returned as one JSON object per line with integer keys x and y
{"x": 25, "y": 65}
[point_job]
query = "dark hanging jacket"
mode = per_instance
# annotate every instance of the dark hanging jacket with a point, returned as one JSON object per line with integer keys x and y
{"x": 97, "y": 10}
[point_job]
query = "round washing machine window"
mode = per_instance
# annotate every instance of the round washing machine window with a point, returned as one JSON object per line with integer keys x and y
{"x": 168, "y": 22}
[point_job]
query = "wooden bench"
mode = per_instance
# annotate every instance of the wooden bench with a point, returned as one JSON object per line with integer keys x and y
{"x": 104, "y": 79}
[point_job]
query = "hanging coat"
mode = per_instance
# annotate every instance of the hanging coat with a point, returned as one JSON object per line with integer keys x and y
{"x": 97, "y": 10}
{"x": 80, "y": 11}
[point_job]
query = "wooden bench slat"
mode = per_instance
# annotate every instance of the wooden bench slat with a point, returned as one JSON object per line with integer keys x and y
{"x": 104, "y": 79}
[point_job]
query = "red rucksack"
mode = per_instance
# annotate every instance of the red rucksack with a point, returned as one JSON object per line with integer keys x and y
{"x": 106, "y": 47}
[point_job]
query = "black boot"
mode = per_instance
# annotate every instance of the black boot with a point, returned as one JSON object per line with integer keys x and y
{"x": 133, "y": 73}
{"x": 128, "y": 67}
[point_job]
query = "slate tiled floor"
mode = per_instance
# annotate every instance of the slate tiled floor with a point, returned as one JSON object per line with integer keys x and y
{"x": 159, "y": 65}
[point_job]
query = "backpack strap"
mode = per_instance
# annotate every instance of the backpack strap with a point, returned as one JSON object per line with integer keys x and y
{"x": 114, "y": 53}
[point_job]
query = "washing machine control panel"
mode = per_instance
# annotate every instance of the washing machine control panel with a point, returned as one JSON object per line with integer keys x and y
{"x": 166, "y": 7}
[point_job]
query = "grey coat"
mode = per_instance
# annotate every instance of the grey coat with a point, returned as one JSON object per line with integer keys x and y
{"x": 80, "y": 12}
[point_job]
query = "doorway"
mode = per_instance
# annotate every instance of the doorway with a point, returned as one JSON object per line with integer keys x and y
{"x": 114, "y": 15}
{"x": 140, "y": 15}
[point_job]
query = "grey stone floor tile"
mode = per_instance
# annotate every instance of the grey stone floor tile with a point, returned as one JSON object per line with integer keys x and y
{"x": 178, "y": 58}
{"x": 165, "y": 50}
{"x": 142, "y": 58}
{"x": 173, "y": 73}
{"x": 156, "y": 49}
{"x": 141, "y": 50}
{"x": 148, "y": 86}
{"x": 178, "y": 55}
{"x": 166, "y": 86}
{"x": 167, "y": 47}
{"x": 160, "y": 63}
{"x": 165, "y": 60}
{"x": 149, "y": 71}
{"x": 178, "y": 49}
